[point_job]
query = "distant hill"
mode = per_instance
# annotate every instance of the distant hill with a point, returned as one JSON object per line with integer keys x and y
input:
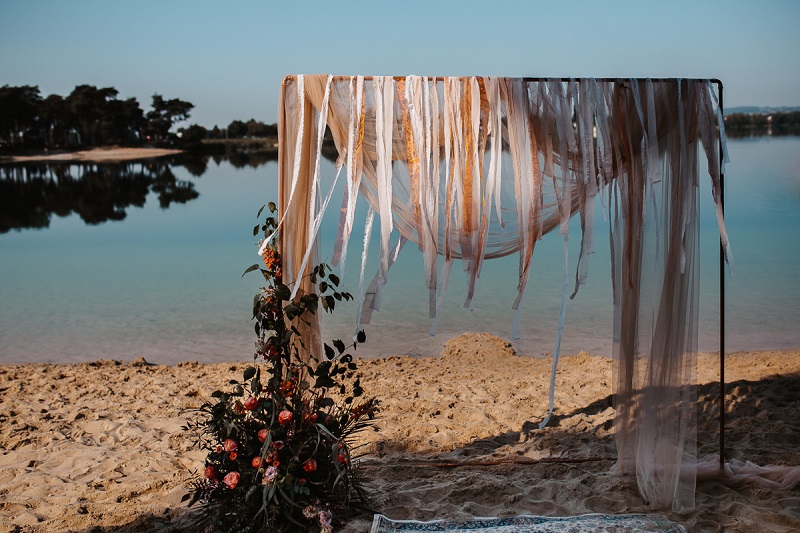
{"x": 749, "y": 109}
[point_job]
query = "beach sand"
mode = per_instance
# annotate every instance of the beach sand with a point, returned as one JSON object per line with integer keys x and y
{"x": 105, "y": 154}
{"x": 98, "y": 446}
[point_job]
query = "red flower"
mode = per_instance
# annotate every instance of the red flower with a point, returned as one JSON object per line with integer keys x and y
{"x": 278, "y": 444}
{"x": 342, "y": 459}
{"x": 211, "y": 472}
{"x": 256, "y": 462}
{"x": 262, "y": 435}
{"x": 310, "y": 466}
{"x": 251, "y": 403}
{"x": 233, "y": 456}
{"x": 231, "y": 479}
{"x": 301, "y": 481}
{"x": 230, "y": 445}
{"x": 284, "y": 417}
{"x": 238, "y": 408}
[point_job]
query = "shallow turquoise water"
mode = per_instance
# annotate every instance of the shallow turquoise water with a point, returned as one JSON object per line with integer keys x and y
{"x": 165, "y": 283}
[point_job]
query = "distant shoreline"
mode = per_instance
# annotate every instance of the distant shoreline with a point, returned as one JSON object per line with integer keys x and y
{"x": 108, "y": 154}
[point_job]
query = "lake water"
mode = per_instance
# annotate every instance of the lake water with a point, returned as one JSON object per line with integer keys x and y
{"x": 145, "y": 259}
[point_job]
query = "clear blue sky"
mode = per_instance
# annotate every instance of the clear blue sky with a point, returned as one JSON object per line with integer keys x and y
{"x": 228, "y": 58}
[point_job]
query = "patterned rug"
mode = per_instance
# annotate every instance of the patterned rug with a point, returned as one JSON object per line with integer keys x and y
{"x": 535, "y": 524}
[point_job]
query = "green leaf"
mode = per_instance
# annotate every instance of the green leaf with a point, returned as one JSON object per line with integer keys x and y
{"x": 326, "y": 382}
{"x": 272, "y": 207}
{"x": 282, "y": 291}
{"x": 338, "y": 296}
{"x": 323, "y": 286}
{"x": 251, "y": 268}
{"x": 261, "y": 210}
{"x": 329, "y": 352}
{"x": 339, "y": 345}
{"x": 331, "y": 302}
{"x": 333, "y": 278}
{"x": 255, "y": 230}
{"x": 217, "y": 394}
{"x": 361, "y": 337}
{"x": 249, "y": 372}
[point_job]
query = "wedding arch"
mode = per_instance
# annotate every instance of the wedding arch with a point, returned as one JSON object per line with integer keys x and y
{"x": 473, "y": 168}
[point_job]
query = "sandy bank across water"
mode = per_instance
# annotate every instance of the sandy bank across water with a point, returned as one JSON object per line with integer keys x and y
{"x": 110, "y": 154}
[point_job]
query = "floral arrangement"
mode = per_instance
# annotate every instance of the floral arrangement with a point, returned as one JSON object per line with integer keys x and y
{"x": 279, "y": 442}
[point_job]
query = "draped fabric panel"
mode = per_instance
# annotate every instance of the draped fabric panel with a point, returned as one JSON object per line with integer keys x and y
{"x": 474, "y": 168}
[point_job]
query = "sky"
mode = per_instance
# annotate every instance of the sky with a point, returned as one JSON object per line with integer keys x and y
{"x": 228, "y": 58}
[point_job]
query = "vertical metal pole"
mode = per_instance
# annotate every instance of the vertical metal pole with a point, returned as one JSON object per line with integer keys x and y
{"x": 721, "y": 306}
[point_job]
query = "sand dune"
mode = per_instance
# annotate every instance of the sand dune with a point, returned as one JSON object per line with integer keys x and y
{"x": 99, "y": 446}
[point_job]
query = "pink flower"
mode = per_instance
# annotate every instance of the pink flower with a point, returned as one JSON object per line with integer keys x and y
{"x": 270, "y": 474}
{"x": 325, "y": 518}
{"x": 278, "y": 444}
{"x": 231, "y": 479}
{"x": 251, "y": 403}
{"x": 229, "y": 445}
{"x": 262, "y": 435}
{"x": 211, "y": 472}
{"x": 284, "y": 417}
{"x": 310, "y": 466}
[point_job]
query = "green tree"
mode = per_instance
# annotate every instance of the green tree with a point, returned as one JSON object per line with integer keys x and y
{"x": 19, "y": 110}
{"x": 93, "y": 113}
{"x": 237, "y": 129}
{"x": 165, "y": 114}
{"x": 54, "y": 120}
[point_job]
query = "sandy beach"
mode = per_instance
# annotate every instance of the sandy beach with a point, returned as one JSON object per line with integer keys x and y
{"x": 98, "y": 447}
{"x": 105, "y": 154}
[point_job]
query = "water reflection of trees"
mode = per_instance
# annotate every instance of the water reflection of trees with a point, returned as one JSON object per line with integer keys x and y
{"x": 31, "y": 194}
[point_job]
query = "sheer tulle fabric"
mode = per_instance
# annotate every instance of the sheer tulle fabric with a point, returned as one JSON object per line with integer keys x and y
{"x": 475, "y": 168}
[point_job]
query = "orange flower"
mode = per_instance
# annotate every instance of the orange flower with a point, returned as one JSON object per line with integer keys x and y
{"x": 231, "y": 480}
{"x": 233, "y": 456}
{"x": 256, "y": 462}
{"x": 310, "y": 466}
{"x": 262, "y": 435}
{"x": 284, "y": 417}
{"x": 287, "y": 386}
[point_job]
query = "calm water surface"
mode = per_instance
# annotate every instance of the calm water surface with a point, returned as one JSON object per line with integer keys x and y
{"x": 148, "y": 263}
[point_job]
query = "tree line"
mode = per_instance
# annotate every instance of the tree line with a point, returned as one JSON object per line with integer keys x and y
{"x": 779, "y": 122}
{"x": 92, "y": 116}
